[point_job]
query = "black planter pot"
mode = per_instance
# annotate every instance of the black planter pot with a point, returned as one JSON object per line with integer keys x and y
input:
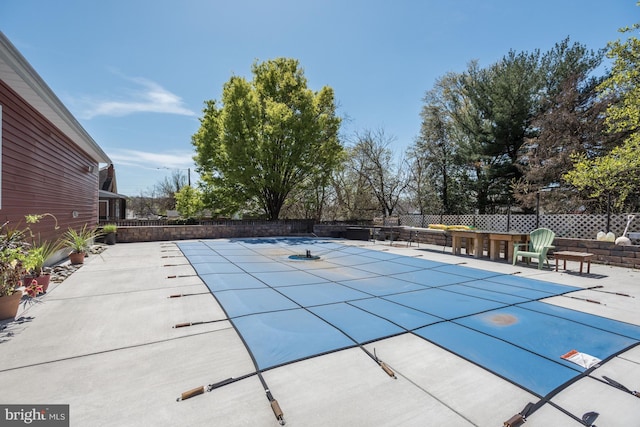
{"x": 110, "y": 238}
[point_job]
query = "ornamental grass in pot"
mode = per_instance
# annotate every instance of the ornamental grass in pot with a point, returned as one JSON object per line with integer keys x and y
{"x": 79, "y": 242}
{"x": 109, "y": 232}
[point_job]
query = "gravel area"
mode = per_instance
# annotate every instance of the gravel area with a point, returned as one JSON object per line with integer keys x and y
{"x": 63, "y": 270}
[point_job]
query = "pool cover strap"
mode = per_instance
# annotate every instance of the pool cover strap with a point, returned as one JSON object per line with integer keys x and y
{"x": 621, "y": 387}
{"x": 200, "y": 390}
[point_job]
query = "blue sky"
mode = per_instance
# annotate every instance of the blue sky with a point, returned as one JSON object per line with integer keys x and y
{"x": 136, "y": 73}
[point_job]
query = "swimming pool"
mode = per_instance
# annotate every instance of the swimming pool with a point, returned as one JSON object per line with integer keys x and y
{"x": 287, "y": 310}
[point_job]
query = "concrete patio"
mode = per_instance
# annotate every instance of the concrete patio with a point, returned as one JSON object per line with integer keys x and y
{"x": 104, "y": 342}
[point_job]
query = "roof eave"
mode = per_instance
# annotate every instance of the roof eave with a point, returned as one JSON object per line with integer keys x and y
{"x": 16, "y": 72}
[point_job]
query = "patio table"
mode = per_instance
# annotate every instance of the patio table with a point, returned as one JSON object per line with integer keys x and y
{"x": 474, "y": 241}
{"x": 509, "y": 238}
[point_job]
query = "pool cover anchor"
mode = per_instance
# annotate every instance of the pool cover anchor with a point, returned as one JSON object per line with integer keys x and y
{"x": 190, "y": 393}
{"x": 201, "y": 322}
{"x": 596, "y": 289}
{"x": 275, "y": 407}
{"x": 521, "y": 417}
{"x": 200, "y": 390}
{"x": 384, "y": 366}
{"x": 589, "y": 418}
{"x": 175, "y": 276}
{"x": 188, "y": 295}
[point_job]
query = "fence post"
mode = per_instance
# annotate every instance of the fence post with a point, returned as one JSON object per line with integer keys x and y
{"x": 538, "y": 209}
{"x": 608, "y": 211}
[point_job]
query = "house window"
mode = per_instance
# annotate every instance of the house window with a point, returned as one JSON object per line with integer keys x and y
{"x": 103, "y": 209}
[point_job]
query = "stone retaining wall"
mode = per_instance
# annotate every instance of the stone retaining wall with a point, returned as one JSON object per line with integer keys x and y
{"x": 604, "y": 252}
{"x": 127, "y": 234}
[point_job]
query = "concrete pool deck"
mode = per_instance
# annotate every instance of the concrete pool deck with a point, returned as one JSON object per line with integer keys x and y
{"x": 103, "y": 342}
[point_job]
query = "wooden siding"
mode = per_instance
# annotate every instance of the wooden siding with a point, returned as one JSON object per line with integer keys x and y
{"x": 43, "y": 170}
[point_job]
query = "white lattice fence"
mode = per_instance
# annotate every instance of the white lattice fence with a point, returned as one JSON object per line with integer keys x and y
{"x": 568, "y": 225}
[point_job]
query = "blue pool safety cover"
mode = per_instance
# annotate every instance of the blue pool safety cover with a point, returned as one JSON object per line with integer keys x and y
{"x": 288, "y": 310}
{"x": 524, "y": 328}
{"x": 534, "y": 373}
{"x": 444, "y": 304}
{"x": 405, "y": 317}
{"x": 488, "y": 294}
{"x": 288, "y": 278}
{"x": 382, "y": 285}
{"x": 321, "y": 294}
{"x": 460, "y": 270}
{"x": 250, "y": 301}
{"x": 217, "y": 267}
{"x": 359, "y": 325}
{"x": 228, "y": 281}
{"x": 526, "y": 293}
{"x": 284, "y": 336}
{"x": 621, "y": 328}
{"x": 431, "y": 278}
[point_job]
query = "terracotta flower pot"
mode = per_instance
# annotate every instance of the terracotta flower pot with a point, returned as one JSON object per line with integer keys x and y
{"x": 43, "y": 280}
{"x": 9, "y": 305}
{"x": 76, "y": 257}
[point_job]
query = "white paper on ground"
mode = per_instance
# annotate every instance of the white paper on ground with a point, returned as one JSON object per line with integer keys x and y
{"x": 582, "y": 359}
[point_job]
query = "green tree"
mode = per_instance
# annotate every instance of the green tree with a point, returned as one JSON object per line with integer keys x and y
{"x": 617, "y": 173}
{"x": 167, "y": 189}
{"x": 504, "y": 99}
{"x": 189, "y": 202}
{"x": 570, "y": 122}
{"x": 439, "y": 155}
{"x": 269, "y": 137}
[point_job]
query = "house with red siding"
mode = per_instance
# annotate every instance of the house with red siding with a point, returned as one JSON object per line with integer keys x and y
{"x": 113, "y": 206}
{"x": 49, "y": 163}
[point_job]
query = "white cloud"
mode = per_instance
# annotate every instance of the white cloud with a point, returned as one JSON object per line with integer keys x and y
{"x": 147, "y": 160}
{"x": 149, "y": 97}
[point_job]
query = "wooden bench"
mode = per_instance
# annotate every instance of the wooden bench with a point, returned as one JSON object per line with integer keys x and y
{"x": 573, "y": 256}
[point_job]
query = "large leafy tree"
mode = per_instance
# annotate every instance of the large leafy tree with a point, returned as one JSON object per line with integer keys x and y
{"x": 439, "y": 161}
{"x": 570, "y": 121}
{"x": 268, "y": 137}
{"x": 503, "y": 99}
{"x": 617, "y": 174}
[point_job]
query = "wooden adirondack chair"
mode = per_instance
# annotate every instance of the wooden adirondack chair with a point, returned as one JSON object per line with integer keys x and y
{"x": 540, "y": 241}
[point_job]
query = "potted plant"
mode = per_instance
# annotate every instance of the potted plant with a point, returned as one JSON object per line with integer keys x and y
{"x": 35, "y": 261}
{"x": 79, "y": 242}
{"x": 13, "y": 251}
{"x": 109, "y": 231}
{"x": 20, "y": 249}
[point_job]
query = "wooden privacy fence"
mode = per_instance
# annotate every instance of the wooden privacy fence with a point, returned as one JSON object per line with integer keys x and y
{"x": 576, "y": 226}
